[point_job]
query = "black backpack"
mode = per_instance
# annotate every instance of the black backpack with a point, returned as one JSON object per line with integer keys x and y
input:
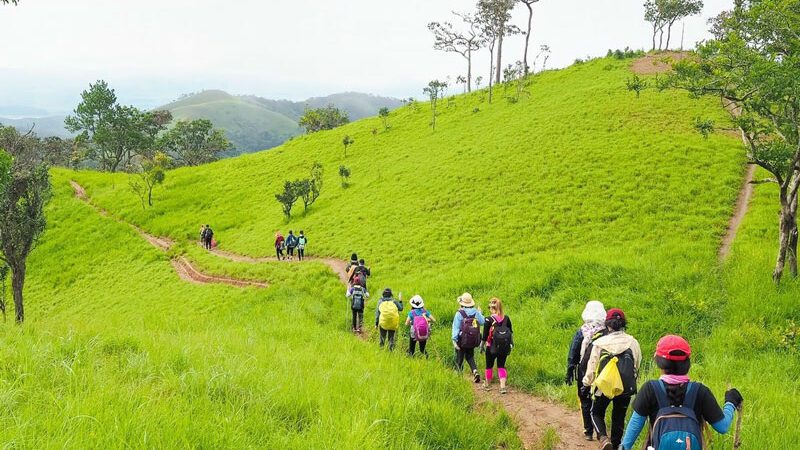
{"x": 357, "y": 298}
{"x": 584, "y": 363}
{"x": 470, "y": 336}
{"x": 501, "y": 337}
{"x": 626, "y": 367}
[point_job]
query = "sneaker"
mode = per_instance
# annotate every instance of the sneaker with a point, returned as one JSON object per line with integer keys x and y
{"x": 503, "y": 390}
{"x": 476, "y": 376}
{"x": 486, "y": 386}
{"x": 605, "y": 444}
{"x": 587, "y": 436}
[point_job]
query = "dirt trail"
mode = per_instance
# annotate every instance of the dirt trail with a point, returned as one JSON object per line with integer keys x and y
{"x": 742, "y": 202}
{"x": 535, "y": 415}
{"x": 656, "y": 63}
{"x": 185, "y": 270}
{"x": 337, "y": 265}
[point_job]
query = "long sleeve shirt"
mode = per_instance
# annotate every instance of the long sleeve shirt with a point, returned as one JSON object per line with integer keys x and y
{"x": 458, "y": 319}
{"x": 614, "y": 343}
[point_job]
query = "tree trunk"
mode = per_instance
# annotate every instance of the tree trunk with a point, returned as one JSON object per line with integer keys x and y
{"x": 17, "y": 283}
{"x": 150, "y": 196}
{"x": 469, "y": 70}
{"x": 661, "y": 39}
{"x": 527, "y": 37}
{"x": 655, "y": 32}
{"x": 787, "y": 238}
{"x": 499, "y": 64}
{"x": 491, "y": 71}
{"x": 669, "y": 35}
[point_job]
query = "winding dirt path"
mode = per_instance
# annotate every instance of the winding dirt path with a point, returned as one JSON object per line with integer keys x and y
{"x": 742, "y": 202}
{"x": 185, "y": 270}
{"x": 337, "y": 265}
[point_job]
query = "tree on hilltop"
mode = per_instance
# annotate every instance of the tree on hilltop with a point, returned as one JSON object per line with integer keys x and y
{"x": 493, "y": 17}
{"x": 434, "y": 91}
{"x": 448, "y": 39}
{"x": 751, "y": 63}
{"x": 24, "y": 192}
{"x": 194, "y": 142}
{"x": 665, "y": 13}
{"x": 528, "y": 4}
{"x": 383, "y": 113}
{"x": 327, "y": 118}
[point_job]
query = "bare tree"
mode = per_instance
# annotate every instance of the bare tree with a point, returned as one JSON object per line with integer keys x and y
{"x": 528, "y": 4}
{"x": 493, "y": 17}
{"x": 449, "y": 40}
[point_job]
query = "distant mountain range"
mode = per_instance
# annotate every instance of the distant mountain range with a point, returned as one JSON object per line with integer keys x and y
{"x": 251, "y": 123}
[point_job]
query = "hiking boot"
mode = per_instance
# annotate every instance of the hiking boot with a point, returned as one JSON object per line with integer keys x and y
{"x": 476, "y": 376}
{"x": 605, "y": 444}
{"x": 587, "y": 436}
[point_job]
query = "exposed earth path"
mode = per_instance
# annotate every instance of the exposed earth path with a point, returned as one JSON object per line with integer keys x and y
{"x": 742, "y": 203}
{"x": 338, "y": 266}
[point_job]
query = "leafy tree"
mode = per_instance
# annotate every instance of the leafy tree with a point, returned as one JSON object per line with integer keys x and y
{"x": 152, "y": 172}
{"x": 636, "y": 84}
{"x": 435, "y": 91}
{"x": 195, "y": 142}
{"x": 24, "y": 191}
{"x": 347, "y": 141}
{"x": 383, "y": 113}
{"x": 344, "y": 173}
{"x": 287, "y": 198}
{"x": 528, "y": 4}
{"x": 493, "y": 17}
{"x": 448, "y": 39}
{"x": 317, "y": 171}
{"x": 752, "y": 65}
{"x": 302, "y": 189}
{"x": 663, "y": 14}
{"x": 327, "y": 118}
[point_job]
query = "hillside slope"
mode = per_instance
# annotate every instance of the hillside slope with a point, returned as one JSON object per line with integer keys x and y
{"x": 576, "y": 191}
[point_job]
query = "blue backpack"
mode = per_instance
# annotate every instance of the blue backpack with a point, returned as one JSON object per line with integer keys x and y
{"x": 676, "y": 427}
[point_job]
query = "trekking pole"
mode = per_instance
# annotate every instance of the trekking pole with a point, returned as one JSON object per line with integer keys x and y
{"x": 737, "y": 439}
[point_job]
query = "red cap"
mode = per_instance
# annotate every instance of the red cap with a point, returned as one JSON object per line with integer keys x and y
{"x": 673, "y": 348}
{"x": 615, "y": 313}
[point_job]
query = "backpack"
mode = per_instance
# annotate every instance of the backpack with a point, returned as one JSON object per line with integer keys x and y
{"x": 291, "y": 241}
{"x": 676, "y": 427}
{"x": 357, "y": 298}
{"x": 501, "y": 337}
{"x": 390, "y": 315}
{"x": 301, "y": 241}
{"x": 616, "y": 374}
{"x": 584, "y": 362}
{"x": 419, "y": 326}
{"x": 470, "y": 336}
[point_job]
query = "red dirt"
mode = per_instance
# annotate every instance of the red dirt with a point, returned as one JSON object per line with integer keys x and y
{"x": 657, "y": 62}
{"x": 742, "y": 202}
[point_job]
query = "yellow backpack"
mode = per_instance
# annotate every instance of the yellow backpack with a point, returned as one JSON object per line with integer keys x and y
{"x": 390, "y": 315}
{"x": 609, "y": 380}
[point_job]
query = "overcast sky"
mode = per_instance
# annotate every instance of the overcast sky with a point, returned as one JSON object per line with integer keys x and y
{"x": 151, "y": 51}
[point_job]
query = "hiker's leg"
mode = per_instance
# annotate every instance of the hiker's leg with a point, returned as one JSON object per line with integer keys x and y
{"x": 360, "y": 319}
{"x": 383, "y": 336}
{"x": 490, "y": 358}
{"x": 391, "y": 339}
{"x": 422, "y": 346}
{"x": 460, "y": 360}
{"x": 469, "y": 353}
{"x": 501, "y": 370}
{"x": 586, "y": 410}
{"x": 412, "y": 346}
{"x": 618, "y": 418}
{"x": 355, "y": 320}
{"x": 599, "y": 407}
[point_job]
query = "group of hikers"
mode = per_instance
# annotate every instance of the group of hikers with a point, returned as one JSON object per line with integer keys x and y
{"x": 603, "y": 361}
{"x": 207, "y": 237}
{"x": 289, "y": 244}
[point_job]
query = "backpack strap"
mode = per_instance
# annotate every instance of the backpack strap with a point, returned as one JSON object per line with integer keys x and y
{"x": 661, "y": 393}
{"x": 690, "y": 398}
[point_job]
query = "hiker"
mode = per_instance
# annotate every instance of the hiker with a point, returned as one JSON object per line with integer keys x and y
{"x": 291, "y": 244}
{"x": 302, "y": 240}
{"x": 358, "y": 298}
{"x": 466, "y": 333}
{"x": 350, "y": 270}
{"x": 594, "y": 327}
{"x": 673, "y": 394}
{"x": 387, "y": 317}
{"x": 279, "y": 242}
{"x": 202, "y": 234}
{"x": 618, "y": 352}
{"x": 208, "y": 236}
{"x": 419, "y": 319}
{"x": 364, "y": 271}
{"x": 497, "y": 342}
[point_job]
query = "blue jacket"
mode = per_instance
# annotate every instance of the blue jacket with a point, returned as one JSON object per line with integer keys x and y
{"x": 458, "y": 319}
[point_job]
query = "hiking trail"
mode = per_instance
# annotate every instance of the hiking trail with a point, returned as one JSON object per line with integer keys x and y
{"x": 534, "y": 416}
{"x": 742, "y": 203}
{"x": 185, "y": 270}
{"x": 337, "y": 265}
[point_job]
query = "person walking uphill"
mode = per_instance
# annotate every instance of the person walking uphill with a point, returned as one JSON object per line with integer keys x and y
{"x": 612, "y": 372}
{"x": 208, "y": 236}
{"x": 291, "y": 244}
{"x": 279, "y": 245}
{"x": 302, "y": 241}
{"x": 498, "y": 340}
{"x": 466, "y": 333}
{"x": 593, "y": 328}
{"x": 676, "y": 406}
{"x": 358, "y": 298}
{"x": 420, "y": 320}
{"x": 387, "y": 317}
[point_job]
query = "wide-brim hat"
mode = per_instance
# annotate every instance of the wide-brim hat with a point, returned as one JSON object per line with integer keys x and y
{"x": 417, "y": 302}
{"x": 466, "y": 300}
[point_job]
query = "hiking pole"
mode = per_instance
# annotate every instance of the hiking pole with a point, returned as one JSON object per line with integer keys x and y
{"x": 737, "y": 438}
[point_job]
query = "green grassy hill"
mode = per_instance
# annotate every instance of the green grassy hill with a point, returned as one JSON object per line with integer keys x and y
{"x": 577, "y": 191}
{"x": 253, "y": 123}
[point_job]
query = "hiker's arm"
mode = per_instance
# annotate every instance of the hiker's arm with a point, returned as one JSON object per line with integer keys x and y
{"x": 456, "y": 327}
{"x": 399, "y": 304}
{"x": 486, "y": 328}
{"x": 722, "y": 426}
{"x": 591, "y": 367}
{"x": 635, "y": 427}
{"x": 377, "y": 312}
{"x": 481, "y": 319}
{"x": 574, "y": 356}
{"x": 637, "y": 354}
